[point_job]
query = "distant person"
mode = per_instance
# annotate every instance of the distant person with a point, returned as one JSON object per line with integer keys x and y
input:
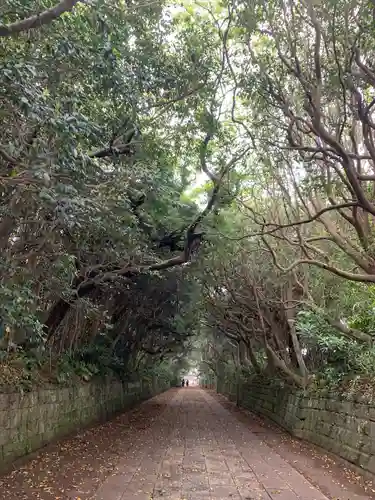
{"x": 183, "y": 383}
{"x": 187, "y": 383}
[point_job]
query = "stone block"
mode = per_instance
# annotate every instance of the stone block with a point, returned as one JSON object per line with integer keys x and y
{"x": 4, "y": 419}
{"x": 43, "y": 396}
{"x": 4, "y": 402}
{"x": 12, "y": 451}
{"x": 41, "y": 426}
{"x": 14, "y": 418}
{"x": 371, "y": 413}
{"x": 64, "y": 394}
{"x": 4, "y": 436}
{"x": 370, "y": 465}
{"x": 367, "y": 446}
{"x": 333, "y": 405}
{"x": 29, "y": 421}
{"x": 371, "y": 429}
{"x": 345, "y": 427}
{"x": 33, "y": 443}
{"x": 14, "y": 401}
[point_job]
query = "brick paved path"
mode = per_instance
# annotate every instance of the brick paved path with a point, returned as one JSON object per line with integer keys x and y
{"x": 201, "y": 451}
{"x": 182, "y": 445}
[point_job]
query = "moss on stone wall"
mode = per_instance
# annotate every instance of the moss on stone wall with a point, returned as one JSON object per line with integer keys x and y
{"x": 31, "y": 420}
{"x": 337, "y": 423}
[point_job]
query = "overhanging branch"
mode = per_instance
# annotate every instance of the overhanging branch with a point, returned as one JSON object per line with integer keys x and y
{"x": 37, "y": 20}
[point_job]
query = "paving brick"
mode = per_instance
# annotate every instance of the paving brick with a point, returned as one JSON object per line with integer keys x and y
{"x": 197, "y": 449}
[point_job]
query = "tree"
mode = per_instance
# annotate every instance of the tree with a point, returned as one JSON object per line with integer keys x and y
{"x": 38, "y": 20}
{"x": 108, "y": 113}
{"x": 302, "y": 98}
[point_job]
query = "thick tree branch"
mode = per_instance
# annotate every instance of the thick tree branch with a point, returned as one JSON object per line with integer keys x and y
{"x": 38, "y": 20}
{"x": 278, "y": 227}
{"x": 87, "y": 282}
{"x": 362, "y": 278}
{"x": 349, "y": 332}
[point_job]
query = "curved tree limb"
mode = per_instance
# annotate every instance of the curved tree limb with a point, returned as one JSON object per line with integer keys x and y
{"x": 278, "y": 227}
{"x": 37, "y": 20}
{"x": 361, "y": 278}
{"x": 347, "y": 331}
{"x": 86, "y": 282}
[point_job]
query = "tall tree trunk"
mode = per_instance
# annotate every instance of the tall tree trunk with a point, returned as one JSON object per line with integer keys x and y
{"x": 252, "y": 358}
{"x": 282, "y": 366}
{"x": 6, "y": 227}
{"x": 290, "y": 313}
{"x": 55, "y": 317}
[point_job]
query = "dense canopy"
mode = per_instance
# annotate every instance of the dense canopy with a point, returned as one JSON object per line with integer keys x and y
{"x": 182, "y": 178}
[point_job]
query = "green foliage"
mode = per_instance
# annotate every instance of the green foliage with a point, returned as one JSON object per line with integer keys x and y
{"x": 71, "y": 368}
{"x": 363, "y": 308}
{"x": 16, "y": 302}
{"x": 289, "y": 268}
{"x": 102, "y": 112}
{"x": 119, "y": 122}
{"x": 336, "y": 356}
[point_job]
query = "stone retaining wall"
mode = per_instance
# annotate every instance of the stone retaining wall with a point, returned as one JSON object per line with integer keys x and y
{"x": 31, "y": 420}
{"x": 343, "y": 426}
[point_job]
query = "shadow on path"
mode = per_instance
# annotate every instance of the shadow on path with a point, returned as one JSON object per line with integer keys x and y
{"x": 186, "y": 444}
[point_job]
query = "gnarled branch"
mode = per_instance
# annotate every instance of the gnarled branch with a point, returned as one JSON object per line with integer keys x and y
{"x": 38, "y": 20}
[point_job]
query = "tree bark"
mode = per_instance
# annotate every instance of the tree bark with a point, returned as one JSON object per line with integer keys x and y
{"x": 290, "y": 313}
{"x": 281, "y": 365}
{"x": 38, "y": 20}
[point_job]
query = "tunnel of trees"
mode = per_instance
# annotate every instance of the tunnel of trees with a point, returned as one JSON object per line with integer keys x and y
{"x": 182, "y": 178}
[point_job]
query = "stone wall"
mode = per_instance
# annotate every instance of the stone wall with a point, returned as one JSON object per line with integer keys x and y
{"x": 31, "y": 420}
{"x": 343, "y": 426}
